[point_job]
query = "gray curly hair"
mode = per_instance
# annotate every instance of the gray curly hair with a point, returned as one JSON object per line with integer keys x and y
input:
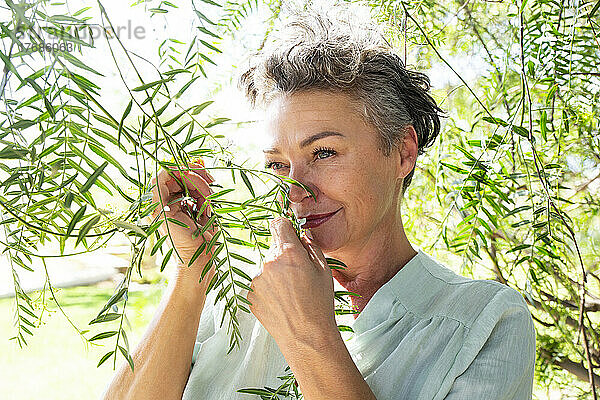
{"x": 315, "y": 51}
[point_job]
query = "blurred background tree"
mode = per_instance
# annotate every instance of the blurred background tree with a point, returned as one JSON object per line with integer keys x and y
{"x": 510, "y": 191}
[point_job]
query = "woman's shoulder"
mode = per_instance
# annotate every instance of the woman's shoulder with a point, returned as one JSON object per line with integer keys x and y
{"x": 443, "y": 292}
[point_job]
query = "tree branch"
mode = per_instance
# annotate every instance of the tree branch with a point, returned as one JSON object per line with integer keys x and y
{"x": 577, "y": 369}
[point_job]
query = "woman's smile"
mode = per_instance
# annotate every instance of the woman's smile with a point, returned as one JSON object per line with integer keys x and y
{"x": 312, "y": 221}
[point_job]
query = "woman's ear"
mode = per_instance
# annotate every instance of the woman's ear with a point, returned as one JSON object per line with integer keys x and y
{"x": 409, "y": 147}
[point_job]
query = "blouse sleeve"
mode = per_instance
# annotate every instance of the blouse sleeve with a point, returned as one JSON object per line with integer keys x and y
{"x": 497, "y": 360}
{"x": 206, "y": 327}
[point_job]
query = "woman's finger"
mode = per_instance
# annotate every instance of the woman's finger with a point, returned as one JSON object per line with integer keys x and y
{"x": 162, "y": 192}
{"x": 282, "y": 232}
{"x": 200, "y": 170}
{"x": 198, "y": 189}
{"x": 193, "y": 182}
{"x": 314, "y": 252}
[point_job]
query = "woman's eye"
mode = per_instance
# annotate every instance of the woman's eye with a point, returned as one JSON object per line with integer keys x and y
{"x": 274, "y": 165}
{"x": 318, "y": 153}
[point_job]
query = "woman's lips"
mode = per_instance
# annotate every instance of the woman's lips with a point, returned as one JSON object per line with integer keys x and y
{"x": 313, "y": 223}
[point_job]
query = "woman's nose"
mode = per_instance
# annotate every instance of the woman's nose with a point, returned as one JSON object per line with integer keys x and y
{"x": 297, "y": 193}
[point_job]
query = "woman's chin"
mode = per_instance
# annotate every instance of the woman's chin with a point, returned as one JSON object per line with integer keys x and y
{"x": 327, "y": 242}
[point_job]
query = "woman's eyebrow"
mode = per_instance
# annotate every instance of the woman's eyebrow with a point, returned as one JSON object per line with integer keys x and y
{"x": 308, "y": 141}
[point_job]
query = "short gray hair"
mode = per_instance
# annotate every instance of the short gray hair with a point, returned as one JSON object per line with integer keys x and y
{"x": 315, "y": 51}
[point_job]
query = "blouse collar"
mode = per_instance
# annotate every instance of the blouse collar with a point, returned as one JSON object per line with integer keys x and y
{"x": 379, "y": 306}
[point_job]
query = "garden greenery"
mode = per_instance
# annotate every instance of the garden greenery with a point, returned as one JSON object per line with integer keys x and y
{"x": 511, "y": 189}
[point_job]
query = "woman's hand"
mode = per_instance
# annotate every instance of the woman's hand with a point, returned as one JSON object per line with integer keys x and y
{"x": 168, "y": 192}
{"x": 293, "y": 297}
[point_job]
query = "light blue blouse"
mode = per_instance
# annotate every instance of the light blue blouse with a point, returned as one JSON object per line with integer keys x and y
{"x": 427, "y": 334}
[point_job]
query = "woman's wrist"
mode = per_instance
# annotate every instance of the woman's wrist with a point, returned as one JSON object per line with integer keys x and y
{"x": 189, "y": 292}
{"x": 188, "y": 278}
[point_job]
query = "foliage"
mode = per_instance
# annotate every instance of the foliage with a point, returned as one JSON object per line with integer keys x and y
{"x": 515, "y": 172}
{"x": 64, "y": 142}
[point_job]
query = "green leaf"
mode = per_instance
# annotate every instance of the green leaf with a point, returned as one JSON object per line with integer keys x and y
{"x": 12, "y": 152}
{"x": 125, "y": 114}
{"x": 166, "y": 260}
{"x": 78, "y": 63}
{"x": 92, "y": 179}
{"x": 216, "y": 121}
{"x": 242, "y": 285}
{"x": 247, "y": 183}
{"x": 152, "y": 228}
{"x": 158, "y": 245}
{"x": 28, "y": 311}
{"x": 86, "y": 228}
{"x": 206, "y": 31}
{"x": 177, "y": 222}
{"x": 455, "y": 168}
{"x": 9, "y": 65}
{"x": 185, "y": 87}
{"x": 204, "y": 17}
{"x": 227, "y": 210}
{"x": 209, "y": 263}
{"x": 105, "y": 357}
{"x": 241, "y": 258}
{"x": 197, "y": 253}
{"x": 103, "y": 335}
{"x": 151, "y": 84}
{"x": 176, "y": 72}
{"x": 198, "y": 109}
{"x": 213, "y": 281}
{"x": 345, "y": 328}
{"x": 258, "y": 392}
{"x": 23, "y": 328}
{"x": 239, "y": 242}
{"x": 105, "y": 318}
{"x": 593, "y": 11}
{"x": 76, "y": 218}
{"x": 219, "y": 194}
{"x": 127, "y": 356}
{"x": 495, "y": 121}
{"x": 517, "y": 210}
{"x": 551, "y": 92}
{"x": 104, "y": 154}
{"x": 125, "y": 340}
{"x": 113, "y": 300}
{"x": 519, "y": 130}
{"x": 130, "y": 226}
{"x": 173, "y": 120}
{"x": 240, "y": 272}
{"x": 212, "y": 3}
{"x": 208, "y": 224}
{"x": 210, "y": 46}
{"x": 332, "y": 262}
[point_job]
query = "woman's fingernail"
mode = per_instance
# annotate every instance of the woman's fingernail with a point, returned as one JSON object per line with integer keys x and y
{"x": 308, "y": 234}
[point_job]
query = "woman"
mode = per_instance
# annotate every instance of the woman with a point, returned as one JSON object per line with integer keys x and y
{"x": 346, "y": 119}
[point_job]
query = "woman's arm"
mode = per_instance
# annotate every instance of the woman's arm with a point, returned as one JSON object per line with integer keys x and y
{"x": 163, "y": 358}
{"x": 324, "y": 369}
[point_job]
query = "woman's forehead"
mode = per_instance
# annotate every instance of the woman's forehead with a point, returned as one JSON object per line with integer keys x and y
{"x": 306, "y": 141}
{"x": 311, "y": 103}
{"x": 300, "y": 117}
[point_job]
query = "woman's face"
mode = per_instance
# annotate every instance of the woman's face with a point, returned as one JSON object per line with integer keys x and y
{"x": 321, "y": 140}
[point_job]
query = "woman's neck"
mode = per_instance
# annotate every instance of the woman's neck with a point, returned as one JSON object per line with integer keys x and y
{"x": 370, "y": 264}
